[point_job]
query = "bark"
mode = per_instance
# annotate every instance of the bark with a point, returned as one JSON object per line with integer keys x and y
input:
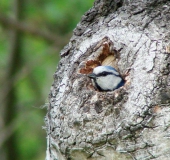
{"x": 131, "y": 122}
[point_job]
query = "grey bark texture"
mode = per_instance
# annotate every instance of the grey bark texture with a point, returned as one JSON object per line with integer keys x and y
{"x": 132, "y": 122}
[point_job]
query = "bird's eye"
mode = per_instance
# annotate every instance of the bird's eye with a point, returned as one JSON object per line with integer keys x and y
{"x": 104, "y": 73}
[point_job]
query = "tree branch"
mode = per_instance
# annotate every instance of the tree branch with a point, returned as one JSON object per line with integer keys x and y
{"x": 10, "y": 22}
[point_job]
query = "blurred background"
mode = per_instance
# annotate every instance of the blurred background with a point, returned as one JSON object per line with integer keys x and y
{"x": 32, "y": 33}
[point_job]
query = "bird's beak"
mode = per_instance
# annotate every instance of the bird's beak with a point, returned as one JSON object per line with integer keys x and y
{"x": 92, "y": 75}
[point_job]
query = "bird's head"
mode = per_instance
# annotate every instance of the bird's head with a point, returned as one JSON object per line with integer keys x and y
{"x": 106, "y": 78}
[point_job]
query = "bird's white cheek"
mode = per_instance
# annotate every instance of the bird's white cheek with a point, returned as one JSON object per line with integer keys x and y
{"x": 101, "y": 82}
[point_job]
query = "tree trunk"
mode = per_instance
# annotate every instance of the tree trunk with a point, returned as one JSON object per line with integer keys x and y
{"x": 132, "y": 122}
{"x": 8, "y": 109}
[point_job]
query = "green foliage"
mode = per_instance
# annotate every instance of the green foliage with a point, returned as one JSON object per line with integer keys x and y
{"x": 65, "y": 15}
{"x": 39, "y": 60}
{"x": 4, "y": 49}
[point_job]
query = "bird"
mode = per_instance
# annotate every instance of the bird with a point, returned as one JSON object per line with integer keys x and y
{"x": 106, "y": 78}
